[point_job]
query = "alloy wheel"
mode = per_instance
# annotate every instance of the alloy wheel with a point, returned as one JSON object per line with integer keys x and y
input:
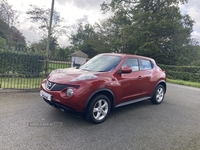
{"x": 100, "y": 109}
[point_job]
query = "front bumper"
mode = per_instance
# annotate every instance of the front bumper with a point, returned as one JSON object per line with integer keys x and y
{"x": 63, "y": 107}
{"x": 59, "y": 99}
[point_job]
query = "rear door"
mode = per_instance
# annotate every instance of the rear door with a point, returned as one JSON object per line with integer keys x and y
{"x": 146, "y": 70}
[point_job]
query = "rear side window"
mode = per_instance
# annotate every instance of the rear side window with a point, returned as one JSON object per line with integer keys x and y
{"x": 146, "y": 64}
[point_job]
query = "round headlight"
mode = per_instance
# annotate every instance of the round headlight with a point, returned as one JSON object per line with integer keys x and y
{"x": 69, "y": 92}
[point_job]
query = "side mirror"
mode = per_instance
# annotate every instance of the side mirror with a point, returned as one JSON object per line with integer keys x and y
{"x": 126, "y": 70}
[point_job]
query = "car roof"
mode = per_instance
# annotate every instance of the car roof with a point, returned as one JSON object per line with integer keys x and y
{"x": 128, "y": 55}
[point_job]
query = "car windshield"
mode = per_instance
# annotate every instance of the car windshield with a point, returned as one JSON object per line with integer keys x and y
{"x": 101, "y": 63}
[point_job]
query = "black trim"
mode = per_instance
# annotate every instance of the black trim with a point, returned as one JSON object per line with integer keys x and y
{"x": 94, "y": 93}
{"x": 58, "y": 87}
{"x": 132, "y": 101}
{"x": 63, "y": 107}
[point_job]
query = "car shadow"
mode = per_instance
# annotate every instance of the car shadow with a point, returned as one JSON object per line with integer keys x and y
{"x": 68, "y": 118}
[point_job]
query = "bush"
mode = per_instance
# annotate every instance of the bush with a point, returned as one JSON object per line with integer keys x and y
{"x": 18, "y": 63}
{"x": 186, "y": 73}
{"x": 196, "y": 63}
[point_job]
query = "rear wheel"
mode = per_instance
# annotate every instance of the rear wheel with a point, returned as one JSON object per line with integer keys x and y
{"x": 99, "y": 109}
{"x": 159, "y": 94}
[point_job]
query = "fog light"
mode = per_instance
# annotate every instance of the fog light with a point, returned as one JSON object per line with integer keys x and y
{"x": 69, "y": 92}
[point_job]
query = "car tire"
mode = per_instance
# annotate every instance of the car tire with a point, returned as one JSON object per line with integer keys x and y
{"x": 98, "y": 109}
{"x": 158, "y": 95}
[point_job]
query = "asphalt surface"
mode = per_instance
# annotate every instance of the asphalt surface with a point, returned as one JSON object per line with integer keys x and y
{"x": 28, "y": 123}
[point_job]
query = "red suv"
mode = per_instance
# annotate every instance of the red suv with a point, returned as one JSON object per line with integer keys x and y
{"x": 103, "y": 83}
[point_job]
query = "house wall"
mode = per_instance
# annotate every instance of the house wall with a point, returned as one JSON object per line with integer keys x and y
{"x": 77, "y": 61}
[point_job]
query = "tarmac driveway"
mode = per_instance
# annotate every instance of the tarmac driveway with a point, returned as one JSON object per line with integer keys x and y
{"x": 28, "y": 123}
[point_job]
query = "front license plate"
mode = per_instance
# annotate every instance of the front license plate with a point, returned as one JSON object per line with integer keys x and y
{"x": 46, "y": 95}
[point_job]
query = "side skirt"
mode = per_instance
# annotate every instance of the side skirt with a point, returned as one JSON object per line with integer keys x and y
{"x": 132, "y": 101}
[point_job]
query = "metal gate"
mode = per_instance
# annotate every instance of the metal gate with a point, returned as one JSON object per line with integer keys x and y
{"x": 20, "y": 70}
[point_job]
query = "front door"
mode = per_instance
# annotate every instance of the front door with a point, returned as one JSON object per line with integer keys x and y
{"x": 130, "y": 83}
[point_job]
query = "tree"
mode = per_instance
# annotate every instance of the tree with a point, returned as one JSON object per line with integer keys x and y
{"x": 109, "y": 31}
{"x": 63, "y": 53}
{"x": 14, "y": 38}
{"x": 2, "y": 42}
{"x": 82, "y": 39}
{"x": 40, "y": 46}
{"x": 3, "y": 26}
{"x": 99, "y": 38}
{"x": 83, "y": 33}
{"x": 194, "y": 59}
{"x": 154, "y": 28}
{"x": 7, "y": 13}
{"x": 17, "y": 38}
{"x": 8, "y": 17}
{"x": 41, "y": 16}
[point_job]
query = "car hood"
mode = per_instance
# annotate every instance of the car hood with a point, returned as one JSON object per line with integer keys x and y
{"x": 71, "y": 74}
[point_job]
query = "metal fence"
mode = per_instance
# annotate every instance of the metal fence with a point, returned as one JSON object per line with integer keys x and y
{"x": 22, "y": 70}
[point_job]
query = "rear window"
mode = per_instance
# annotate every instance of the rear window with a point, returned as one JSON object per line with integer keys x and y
{"x": 146, "y": 64}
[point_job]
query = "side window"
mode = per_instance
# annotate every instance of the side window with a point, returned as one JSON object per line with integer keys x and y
{"x": 146, "y": 64}
{"x": 132, "y": 63}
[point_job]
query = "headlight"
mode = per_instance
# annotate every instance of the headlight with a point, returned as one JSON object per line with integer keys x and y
{"x": 84, "y": 77}
{"x": 69, "y": 92}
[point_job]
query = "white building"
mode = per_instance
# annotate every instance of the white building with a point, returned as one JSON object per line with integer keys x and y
{"x": 78, "y": 58}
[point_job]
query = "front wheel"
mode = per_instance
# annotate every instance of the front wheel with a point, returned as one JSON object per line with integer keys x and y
{"x": 99, "y": 109}
{"x": 158, "y": 95}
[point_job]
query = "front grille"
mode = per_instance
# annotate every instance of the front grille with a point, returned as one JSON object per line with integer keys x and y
{"x": 51, "y": 86}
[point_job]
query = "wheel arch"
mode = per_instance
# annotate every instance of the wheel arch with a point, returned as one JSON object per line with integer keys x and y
{"x": 102, "y": 91}
{"x": 161, "y": 82}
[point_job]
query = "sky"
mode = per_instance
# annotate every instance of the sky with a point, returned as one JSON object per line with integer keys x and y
{"x": 76, "y": 11}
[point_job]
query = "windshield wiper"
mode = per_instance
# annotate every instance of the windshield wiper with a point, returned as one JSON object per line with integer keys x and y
{"x": 101, "y": 71}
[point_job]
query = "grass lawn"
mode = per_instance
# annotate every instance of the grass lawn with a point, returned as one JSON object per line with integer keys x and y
{"x": 186, "y": 83}
{"x": 58, "y": 65}
{"x": 20, "y": 83}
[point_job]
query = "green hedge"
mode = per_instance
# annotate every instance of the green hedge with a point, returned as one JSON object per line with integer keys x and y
{"x": 20, "y": 63}
{"x": 187, "y": 73}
